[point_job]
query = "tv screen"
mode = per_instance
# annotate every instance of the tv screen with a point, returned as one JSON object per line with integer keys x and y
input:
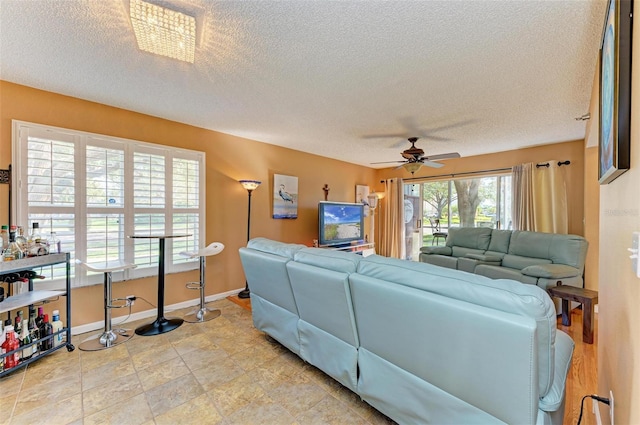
{"x": 340, "y": 223}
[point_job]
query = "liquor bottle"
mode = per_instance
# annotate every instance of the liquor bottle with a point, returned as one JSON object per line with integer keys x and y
{"x": 40, "y": 316}
{"x": 12, "y": 232}
{"x": 46, "y": 331}
{"x": 4, "y": 232}
{"x": 33, "y": 242}
{"x": 25, "y": 340}
{"x": 17, "y": 327}
{"x": 3, "y": 337}
{"x": 33, "y": 331}
{"x": 57, "y": 325}
{"x": 11, "y": 343}
{"x": 21, "y": 240}
{"x": 40, "y": 326}
{"x": 54, "y": 244}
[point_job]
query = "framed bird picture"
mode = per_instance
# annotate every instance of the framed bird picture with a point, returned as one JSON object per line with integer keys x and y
{"x": 285, "y": 196}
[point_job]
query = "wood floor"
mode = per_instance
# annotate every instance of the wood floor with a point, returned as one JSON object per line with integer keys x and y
{"x": 582, "y": 379}
{"x": 583, "y": 376}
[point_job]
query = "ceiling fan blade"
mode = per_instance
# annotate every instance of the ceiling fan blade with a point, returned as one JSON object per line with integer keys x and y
{"x": 432, "y": 164}
{"x": 388, "y": 162}
{"x": 386, "y": 136}
{"x": 443, "y": 156}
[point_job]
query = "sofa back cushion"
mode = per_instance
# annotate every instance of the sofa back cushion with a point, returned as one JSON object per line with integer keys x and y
{"x": 519, "y": 262}
{"x": 477, "y": 238}
{"x": 504, "y": 295}
{"x": 560, "y": 249}
{"x": 320, "y": 282}
{"x": 499, "y": 241}
{"x": 264, "y": 262}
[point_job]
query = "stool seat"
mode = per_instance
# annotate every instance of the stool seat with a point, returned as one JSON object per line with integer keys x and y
{"x": 109, "y": 266}
{"x": 213, "y": 248}
{"x": 109, "y": 337}
{"x": 202, "y": 313}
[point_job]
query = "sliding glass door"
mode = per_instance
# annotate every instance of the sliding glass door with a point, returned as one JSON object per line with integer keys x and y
{"x": 473, "y": 202}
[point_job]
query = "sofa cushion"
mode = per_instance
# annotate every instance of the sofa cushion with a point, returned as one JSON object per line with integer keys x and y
{"x": 551, "y": 271}
{"x": 436, "y": 250}
{"x": 500, "y": 241}
{"x": 338, "y": 261}
{"x": 500, "y": 272}
{"x": 560, "y": 249}
{"x": 282, "y": 249}
{"x": 469, "y": 237}
{"x": 519, "y": 262}
{"x": 460, "y": 251}
{"x": 440, "y": 260}
{"x": 484, "y": 257}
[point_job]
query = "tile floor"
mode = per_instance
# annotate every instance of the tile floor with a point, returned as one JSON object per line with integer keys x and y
{"x": 218, "y": 372}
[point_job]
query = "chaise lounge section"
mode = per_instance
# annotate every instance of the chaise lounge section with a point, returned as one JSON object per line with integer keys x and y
{"x": 420, "y": 343}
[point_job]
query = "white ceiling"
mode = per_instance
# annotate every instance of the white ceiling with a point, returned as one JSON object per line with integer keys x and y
{"x": 323, "y": 77}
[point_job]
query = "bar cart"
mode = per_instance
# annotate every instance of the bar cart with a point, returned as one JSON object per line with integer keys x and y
{"x": 22, "y": 268}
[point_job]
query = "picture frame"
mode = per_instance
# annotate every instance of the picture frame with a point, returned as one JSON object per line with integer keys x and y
{"x": 615, "y": 92}
{"x": 285, "y": 197}
{"x": 362, "y": 192}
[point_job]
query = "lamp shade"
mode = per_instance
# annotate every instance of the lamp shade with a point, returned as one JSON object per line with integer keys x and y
{"x": 250, "y": 184}
{"x": 373, "y": 200}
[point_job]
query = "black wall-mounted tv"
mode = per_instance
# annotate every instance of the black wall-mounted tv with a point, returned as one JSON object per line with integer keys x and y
{"x": 340, "y": 223}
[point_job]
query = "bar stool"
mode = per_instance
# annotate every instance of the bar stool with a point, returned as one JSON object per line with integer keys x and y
{"x": 110, "y": 337}
{"x": 202, "y": 314}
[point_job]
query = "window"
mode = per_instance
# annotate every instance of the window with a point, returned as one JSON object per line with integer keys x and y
{"x": 94, "y": 191}
{"x": 473, "y": 202}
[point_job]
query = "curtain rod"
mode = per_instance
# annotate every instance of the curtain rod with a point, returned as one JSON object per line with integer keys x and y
{"x": 468, "y": 173}
{"x": 560, "y": 163}
{"x": 456, "y": 174}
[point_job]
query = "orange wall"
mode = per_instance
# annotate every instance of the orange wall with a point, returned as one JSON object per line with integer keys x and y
{"x": 228, "y": 159}
{"x": 619, "y": 289}
{"x": 572, "y": 151}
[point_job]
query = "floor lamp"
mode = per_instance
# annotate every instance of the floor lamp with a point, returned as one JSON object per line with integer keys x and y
{"x": 250, "y": 185}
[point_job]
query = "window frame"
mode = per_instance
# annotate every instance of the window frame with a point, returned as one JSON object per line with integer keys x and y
{"x": 174, "y": 263}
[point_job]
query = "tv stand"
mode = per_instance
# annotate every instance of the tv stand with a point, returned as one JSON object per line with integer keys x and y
{"x": 362, "y": 248}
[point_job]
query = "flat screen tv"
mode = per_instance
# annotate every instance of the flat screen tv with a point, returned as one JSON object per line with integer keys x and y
{"x": 340, "y": 223}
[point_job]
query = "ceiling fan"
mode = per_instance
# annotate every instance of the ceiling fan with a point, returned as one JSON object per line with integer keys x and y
{"x": 415, "y": 158}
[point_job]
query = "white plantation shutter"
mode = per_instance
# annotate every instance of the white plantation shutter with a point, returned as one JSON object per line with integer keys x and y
{"x": 95, "y": 191}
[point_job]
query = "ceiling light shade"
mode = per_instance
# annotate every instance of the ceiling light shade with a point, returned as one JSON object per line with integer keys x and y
{"x": 163, "y": 31}
{"x": 412, "y": 167}
{"x": 250, "y": 184}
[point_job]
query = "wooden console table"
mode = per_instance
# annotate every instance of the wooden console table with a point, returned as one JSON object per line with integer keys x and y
{"x": 587, "y": 297}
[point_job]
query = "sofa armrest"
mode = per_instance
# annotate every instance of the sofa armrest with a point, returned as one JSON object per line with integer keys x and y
{"x": 491, "y": 259}
{"x": 441, "y": 250}
{"x": 551, "y": 271}
{"x": 564, "y": 352}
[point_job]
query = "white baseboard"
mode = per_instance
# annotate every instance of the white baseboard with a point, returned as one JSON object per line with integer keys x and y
{"x": 117, "y": 321}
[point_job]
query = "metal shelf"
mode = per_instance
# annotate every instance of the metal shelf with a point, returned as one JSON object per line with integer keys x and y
{"x": 15, "y": 302}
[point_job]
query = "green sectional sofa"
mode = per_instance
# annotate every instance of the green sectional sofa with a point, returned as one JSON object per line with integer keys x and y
{"x": 542, "y": 259}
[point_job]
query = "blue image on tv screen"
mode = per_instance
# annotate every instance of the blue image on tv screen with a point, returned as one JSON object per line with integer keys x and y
{"x": 342, "y": 222}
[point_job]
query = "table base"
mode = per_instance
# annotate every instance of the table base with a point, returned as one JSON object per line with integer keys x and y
{"x": 159, "y": 326}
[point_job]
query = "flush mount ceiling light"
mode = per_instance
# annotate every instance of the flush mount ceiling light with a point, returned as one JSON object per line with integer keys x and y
{"x": 163, "y": 31}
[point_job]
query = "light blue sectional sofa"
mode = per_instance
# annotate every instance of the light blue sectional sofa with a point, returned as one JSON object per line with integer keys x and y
{"x": 536, "y": 258}
{"x": 420, "y": 343}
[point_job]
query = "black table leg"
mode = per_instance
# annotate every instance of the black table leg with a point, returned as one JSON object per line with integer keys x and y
{"x": 161, "y": 324}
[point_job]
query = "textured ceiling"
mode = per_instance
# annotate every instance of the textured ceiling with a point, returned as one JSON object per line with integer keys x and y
{"x": 325, "y": 77}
